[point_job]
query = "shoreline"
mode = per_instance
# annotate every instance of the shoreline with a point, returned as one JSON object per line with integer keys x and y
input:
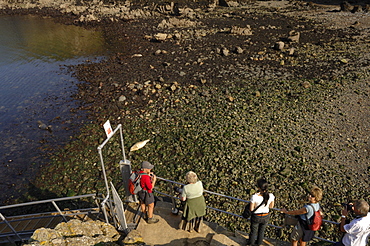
{"x": 215, "y": 95}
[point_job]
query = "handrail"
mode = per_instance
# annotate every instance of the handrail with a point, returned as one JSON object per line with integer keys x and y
{"x": 11, "y": 227}
{"x": 103, "y": 204}
{"x": 46, "y": 201}
{"x": 52, "y": 201}
{"x": 237, "y": 199}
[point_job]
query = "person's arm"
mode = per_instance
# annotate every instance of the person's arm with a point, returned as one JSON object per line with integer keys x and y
{"x": 252, "y": 206}
{"x": 343, "y": 220}
{"x": 153, "y": 179}
{"x": 183, "y": 194}
{"x": 272, "y": 204}
{"x": 294, "y": 212}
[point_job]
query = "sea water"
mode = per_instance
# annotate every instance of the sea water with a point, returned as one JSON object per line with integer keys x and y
{"x": 36, "y": 88}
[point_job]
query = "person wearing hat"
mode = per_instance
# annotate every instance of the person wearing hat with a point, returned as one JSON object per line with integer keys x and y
{"x": 146, "y": 197}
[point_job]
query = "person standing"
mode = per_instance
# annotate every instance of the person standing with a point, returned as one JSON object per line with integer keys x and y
{"x": 261, "y": 202}
{"x": 146, "y": 197}
{"x": 195, "y": 205}
{"x": 358, "y": 230}
{"x": 301, "y": 232}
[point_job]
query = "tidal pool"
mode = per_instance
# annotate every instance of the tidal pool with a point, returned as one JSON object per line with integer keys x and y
{"x": 36, "y": 89}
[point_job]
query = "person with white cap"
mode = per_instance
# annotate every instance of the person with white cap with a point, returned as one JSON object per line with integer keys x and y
{"x": 146, "y": 197}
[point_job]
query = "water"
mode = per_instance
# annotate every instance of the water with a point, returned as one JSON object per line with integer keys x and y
{"x": 36, "y": 87}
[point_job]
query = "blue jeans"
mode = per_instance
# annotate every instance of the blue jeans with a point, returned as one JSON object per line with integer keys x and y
{"x": 258, "y": 226}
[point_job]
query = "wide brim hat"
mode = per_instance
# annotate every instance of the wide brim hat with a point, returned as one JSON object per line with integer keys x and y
{"x": 146, "y": 165}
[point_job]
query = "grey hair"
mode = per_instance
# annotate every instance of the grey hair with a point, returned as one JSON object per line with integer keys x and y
{"x": 362, "y": 206}
{"x": 191, "y": 177}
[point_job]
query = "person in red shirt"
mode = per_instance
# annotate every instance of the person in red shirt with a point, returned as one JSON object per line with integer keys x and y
{"x": 146, "y": 197}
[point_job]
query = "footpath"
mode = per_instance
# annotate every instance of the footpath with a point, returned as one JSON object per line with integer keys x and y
{"x": 166, "y": 232}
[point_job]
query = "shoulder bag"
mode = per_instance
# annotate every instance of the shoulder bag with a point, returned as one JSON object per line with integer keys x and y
{"x": 247, "y": 213}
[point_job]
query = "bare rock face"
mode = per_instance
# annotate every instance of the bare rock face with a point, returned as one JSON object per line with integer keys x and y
{"x": 76, "y": 232}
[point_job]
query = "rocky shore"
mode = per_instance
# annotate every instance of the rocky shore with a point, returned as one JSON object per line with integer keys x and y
{"x": 231, "y": 90}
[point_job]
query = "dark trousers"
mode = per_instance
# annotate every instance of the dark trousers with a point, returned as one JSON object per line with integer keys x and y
{"x": 338, "y": 244}
{"x": 258, "y": 226}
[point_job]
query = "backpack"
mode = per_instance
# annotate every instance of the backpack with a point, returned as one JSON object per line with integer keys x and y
{"x": 134, "y": 182}
{"x": 315, "y": 222}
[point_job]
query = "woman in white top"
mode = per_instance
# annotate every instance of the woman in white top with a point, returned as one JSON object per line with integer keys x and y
{"x": 261, "y": 202}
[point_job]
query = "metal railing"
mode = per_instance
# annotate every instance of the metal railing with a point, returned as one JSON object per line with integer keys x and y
{"x": 236, "y": 199}
{"x": 40, "y": 215}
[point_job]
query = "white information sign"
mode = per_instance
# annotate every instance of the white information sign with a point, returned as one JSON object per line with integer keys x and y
{"x": 108, "y": 129}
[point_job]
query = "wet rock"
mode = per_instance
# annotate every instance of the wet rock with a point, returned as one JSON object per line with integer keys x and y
{"x": 225, "y": 52}
{"x": 133, "y": 238}
{"x": 43, "y": 126}
{"x": 345, "y": 6}
{"x": 294, "y": 36}
{"x": 241, "y": 30}
{"x": 239, "y": 50}
{"x": 169, "y": 9}
{"x": 160, "y": 36}
{"x": 188, "y": 13}
{"x": 157, "y": 52}
{"x": 306, "y": 84}
{"x": 182, "y": 73}
{"x": 88, "y": 18}
{"x": 122, "y": 98}
{"x": 356, "y": 9}
{"x": 279, "y": 45}
{"x": 178, "y": 23}
{"x": 286, "y": 172}
{"x": 367, "y": 8}
{"x": 222, "y": 3}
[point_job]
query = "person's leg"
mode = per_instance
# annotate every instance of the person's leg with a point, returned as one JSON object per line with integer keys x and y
{"x": 261, "y": 233}
{"x": 143, "y": 207}
{"x": 296, "y": 234}
{"x": 253, "y": 233}
{"x": 338, "y": 244}
{"x": 149, "y": 201}
{"x": 294, "y": 243}
{"x": 302, "y": 243}
{"x": 150, "y": 210}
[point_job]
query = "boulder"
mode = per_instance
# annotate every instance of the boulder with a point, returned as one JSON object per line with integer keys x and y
{"x": 133, "y": 237}
{"x": 293, "y": 36}
{"x": 76, "y": 232}
{"x": 241, "y": 30}
{"x": 279, "y": 45}
{"x": 345, "y": 6}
